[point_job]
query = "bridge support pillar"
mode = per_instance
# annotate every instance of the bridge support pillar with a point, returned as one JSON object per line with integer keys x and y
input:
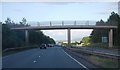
{"x": 69, "y": 37}
{"x": 111, "y": 38}
{"x": 26, "y": 37}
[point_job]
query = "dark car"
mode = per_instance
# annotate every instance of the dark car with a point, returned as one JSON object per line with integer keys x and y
{"x": 43, "y": 46}
{"x": 50, "y": 45}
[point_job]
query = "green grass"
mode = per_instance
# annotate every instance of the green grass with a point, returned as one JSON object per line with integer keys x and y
{"x": 101, "y": 61}
{"x": 98, "y": 45}
{"x": 104, "y": 62}
{"x": 102, "y": 45}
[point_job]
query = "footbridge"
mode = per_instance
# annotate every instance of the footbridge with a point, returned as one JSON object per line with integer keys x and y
{"x": 55, "y": 25}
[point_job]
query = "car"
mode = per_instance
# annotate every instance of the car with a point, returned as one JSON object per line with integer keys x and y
{"x": 43, "y": 46}
{"x": 50, "y": 45}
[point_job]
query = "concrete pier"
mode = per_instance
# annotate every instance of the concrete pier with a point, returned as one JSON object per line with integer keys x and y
{"x": 26, "y": 37}
{"x": 111, "y": 38}
{"x": 69, "y": 37}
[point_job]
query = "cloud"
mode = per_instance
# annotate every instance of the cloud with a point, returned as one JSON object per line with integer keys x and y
{"x": 80, "y": 33}
{"x": 56, "y": 3}
{"x": 103, "y": 12}
{"x": 110, "y": 6}
{"x": 56, "y": 34}
{"x": 113, "y": 6}
{"x": 59, "y": 0}
{"x": 62, "y": 34}
{"x": 17, "y": 10}
{"x": 119, "y": 7}
{"x": 0, "y": 11}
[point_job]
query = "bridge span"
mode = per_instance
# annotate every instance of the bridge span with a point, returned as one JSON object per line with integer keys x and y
{"x": 69, "y": 27}
{"x": 64, "y": 27}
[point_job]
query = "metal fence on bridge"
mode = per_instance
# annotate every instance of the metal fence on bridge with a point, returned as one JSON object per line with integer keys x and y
{"x": 60, "y": 23}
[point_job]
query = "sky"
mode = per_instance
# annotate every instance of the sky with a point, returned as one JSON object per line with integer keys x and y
{"x": 59, "y": 0}
{"x": 62, "y": 11}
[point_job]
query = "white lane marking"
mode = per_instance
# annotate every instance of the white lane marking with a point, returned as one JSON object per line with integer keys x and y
{"x": 39, "y": 56}
{"x": 34, "y": 61}
{"x": 77, "y": 61}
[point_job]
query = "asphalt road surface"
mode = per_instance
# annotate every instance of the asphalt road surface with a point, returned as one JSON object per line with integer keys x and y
{"x": 52, "y": 57}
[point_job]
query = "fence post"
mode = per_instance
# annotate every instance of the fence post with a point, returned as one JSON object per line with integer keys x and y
{"x": 75, "y": 23}
{"x": 50, "y": 23}
{"x": 38, "y": 23}
{"x": 62, "y": 23}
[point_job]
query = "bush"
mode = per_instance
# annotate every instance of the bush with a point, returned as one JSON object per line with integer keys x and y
{"x": 98, "y": 45}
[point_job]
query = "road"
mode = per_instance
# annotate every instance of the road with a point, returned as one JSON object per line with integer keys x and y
{"x": 52, "y": 57}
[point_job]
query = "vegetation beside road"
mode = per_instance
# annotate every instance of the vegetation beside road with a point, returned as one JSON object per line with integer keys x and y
{"x": 95, "y": 39}
{"x": 86, "y": 40}
{"x": 16, "y": 38}
{"x": 98, "y": 45}
{"x": 102, "y": 45}
{"x": 101, "y": 62}
{"x": 104, "y": 62}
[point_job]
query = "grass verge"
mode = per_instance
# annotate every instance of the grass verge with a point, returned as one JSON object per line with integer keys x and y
{"x": 101, "y": 62}
{"x": 102, "y": 45}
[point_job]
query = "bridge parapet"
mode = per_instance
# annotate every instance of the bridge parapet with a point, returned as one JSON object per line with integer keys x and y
{"x": 61, "y": 23}
{"x": 65, "y": 25}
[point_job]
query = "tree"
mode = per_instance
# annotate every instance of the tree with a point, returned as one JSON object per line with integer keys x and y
{"x": 16, "y": 38}
{"x": 37, "y": 37}
{"x": 97, "y": 34}
{"x": 86, "y": 40}
{"x": 114, "y": 19}
{"x": 8, "y": 21}
{"x": 24, "y": 21}
{"x": 118, "y": 34}
{"x": 9, "y": 38}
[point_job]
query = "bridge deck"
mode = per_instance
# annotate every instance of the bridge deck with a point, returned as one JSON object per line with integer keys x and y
{"x": 64, "y": 27}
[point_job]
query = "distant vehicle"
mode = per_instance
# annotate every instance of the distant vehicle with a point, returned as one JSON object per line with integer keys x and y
{"x": 58, "y": 45}
{"x": 43, "y": 46}
{"x": 50, "y": 45}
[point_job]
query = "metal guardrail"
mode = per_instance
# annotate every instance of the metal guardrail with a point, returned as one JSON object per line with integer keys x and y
{"x": 8, "y": 49}
{"x": 108, "y": 55}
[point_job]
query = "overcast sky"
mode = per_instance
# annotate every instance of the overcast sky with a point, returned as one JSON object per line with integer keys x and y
{"x": 92, "y": 11}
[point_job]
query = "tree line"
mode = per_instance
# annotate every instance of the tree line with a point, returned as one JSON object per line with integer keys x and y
{"x": 97, "y": 34}
{"x": 16, "y": 38}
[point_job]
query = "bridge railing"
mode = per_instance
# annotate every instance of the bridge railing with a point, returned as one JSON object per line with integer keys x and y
{"x": 61, "y": 23}
{"x": 65, "y": 23}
